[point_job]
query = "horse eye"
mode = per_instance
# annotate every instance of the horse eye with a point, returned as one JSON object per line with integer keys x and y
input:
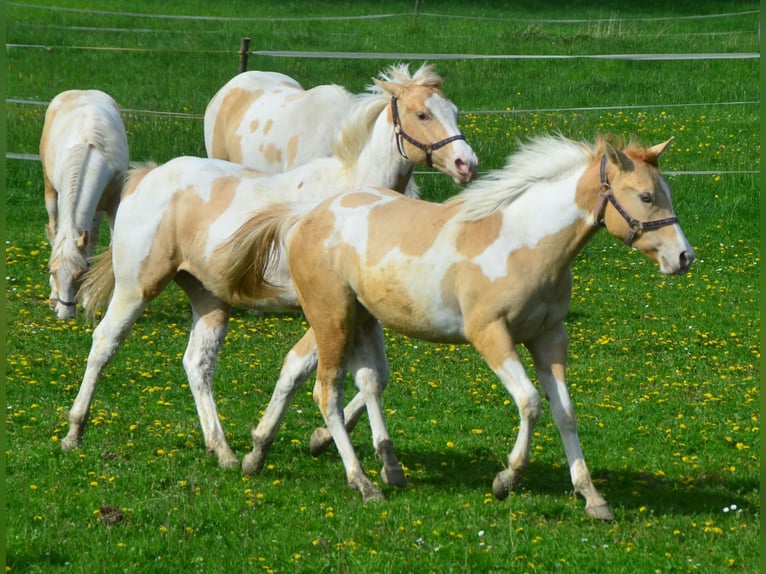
{"x": 422, "y": 116}
{"x": 646, "y": 197}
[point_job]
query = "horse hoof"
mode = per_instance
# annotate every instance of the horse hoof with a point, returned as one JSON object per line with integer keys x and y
{"x": 599, "y": 512}
{"x": 501, "y": 486}
{"x": 320, "y": 440}
{"x": 228, "y": 463}
{"x": 393, "y": 476}
{"x": 69, "y": 443}
{"x": 372, "y": 494}
{"x": 252, "y": 463}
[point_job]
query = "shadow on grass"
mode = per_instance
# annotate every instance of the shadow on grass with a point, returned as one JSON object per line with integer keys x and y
{"x": 630, "y": 490}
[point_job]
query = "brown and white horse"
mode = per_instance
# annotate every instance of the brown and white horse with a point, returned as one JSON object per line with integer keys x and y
{"x": 84, "y": 152}
{"x": 173, "y": 219}
{"x": 489, "y": 267}
{"x": 267, "y": 121}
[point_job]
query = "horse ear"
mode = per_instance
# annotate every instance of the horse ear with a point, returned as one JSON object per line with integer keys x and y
{"x": 653, "y": 153}
{"x": 618, "y": 158}
{"x": 391, "y": 88}
{"x": 82, "y": 241}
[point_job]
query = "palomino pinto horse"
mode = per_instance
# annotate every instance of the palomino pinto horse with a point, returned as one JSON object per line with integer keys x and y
{"x": 84, "y": 152}
{"x": 173, "y": 219}
{"x": 267, "y": 121}
{"x": 490, "y": 267}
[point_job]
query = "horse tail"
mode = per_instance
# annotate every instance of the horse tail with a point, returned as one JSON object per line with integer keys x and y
{"x": 254, "y": 250}
{"x": 97, "y": 285}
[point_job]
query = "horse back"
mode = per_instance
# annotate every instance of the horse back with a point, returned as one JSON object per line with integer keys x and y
{"x": 267, "y": 121}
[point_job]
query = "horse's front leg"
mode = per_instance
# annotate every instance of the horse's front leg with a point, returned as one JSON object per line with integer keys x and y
{"x": 370, "y": 369}
{"x": 209, "y": 325}
{"x": 298, "y": 365}
{"x": 549, "y": 354}
{"x": 496, "y": 346}
{"x": 51, "y": 229}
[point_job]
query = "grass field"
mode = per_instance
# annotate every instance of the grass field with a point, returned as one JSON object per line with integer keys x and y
{"x": 664, "y": 371}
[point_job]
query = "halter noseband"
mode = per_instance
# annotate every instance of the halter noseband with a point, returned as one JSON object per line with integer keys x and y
{"x": 401, "y": 134}
{"x": 635, "y": 227}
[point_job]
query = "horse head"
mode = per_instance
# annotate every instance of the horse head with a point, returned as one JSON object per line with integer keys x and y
{"x": 635, "y": 205}
{"x": 67, "y": 266}
{"x": 425, "y": 123}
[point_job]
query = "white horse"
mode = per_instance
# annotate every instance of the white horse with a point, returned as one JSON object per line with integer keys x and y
{"x": 84, "y": 153}
{"x": 267, "y": 121}
{"x": 490, "y": 267}
{"x": 173, "y": 218}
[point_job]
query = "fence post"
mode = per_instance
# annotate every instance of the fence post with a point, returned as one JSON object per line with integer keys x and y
{"x": 243, "y": 51}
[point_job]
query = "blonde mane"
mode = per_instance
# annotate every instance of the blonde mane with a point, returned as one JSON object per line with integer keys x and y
{"x": 367, "y": 106}
{"x": 544, "y": 158}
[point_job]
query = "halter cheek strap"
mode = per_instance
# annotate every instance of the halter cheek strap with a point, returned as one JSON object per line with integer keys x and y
{"x": 402, "y": 135}
{"x": 635, "y": 227}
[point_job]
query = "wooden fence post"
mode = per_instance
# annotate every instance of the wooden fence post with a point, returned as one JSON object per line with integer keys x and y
{"x": 243, "y": 51}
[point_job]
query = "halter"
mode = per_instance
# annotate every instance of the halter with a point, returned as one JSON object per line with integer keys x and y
{"x": 67, "y": 303}
{"x": 635, "y": 227}
{"x": 401, "y": 134}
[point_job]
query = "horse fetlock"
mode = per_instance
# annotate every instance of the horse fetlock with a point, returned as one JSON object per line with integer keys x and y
{"x": 321, "y": 439}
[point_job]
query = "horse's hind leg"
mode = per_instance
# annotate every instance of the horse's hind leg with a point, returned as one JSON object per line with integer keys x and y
{"x": 369, "y": 366}
{"x": 550, "y": 363}
{"x": 298, "y": 365}
{"x": 123, "y": 311}
{"x": 209, "y": 325}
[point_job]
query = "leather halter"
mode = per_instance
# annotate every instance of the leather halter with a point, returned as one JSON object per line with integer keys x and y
{"x": 635, "y": 227}
{"x": 401, "y": 134}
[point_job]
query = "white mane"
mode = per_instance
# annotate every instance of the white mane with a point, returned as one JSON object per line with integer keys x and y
{"x": 545, "y": 158}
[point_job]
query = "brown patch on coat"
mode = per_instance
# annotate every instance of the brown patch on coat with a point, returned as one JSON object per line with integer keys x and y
{"x": 475, "y": 236}
{"x": 226, "y": 144}
{"x": 183, "y": 231}
{"x": 396, "y": 225}
{"x": 292, "y": 150}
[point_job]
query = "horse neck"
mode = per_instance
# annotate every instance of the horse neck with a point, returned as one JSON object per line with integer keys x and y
{"x": 380, "y": 163}
{"x": 556, "y": 221}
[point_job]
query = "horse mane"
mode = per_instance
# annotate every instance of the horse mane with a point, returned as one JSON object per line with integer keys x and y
{"x": 543, "y": 158}
{"x": 134, "y": 176}
{"x": 366, "y": 107}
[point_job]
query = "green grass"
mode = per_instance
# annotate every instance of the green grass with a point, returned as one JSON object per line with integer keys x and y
{"x": 664, "y": 371}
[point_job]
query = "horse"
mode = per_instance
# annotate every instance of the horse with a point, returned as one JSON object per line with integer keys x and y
{"x": 84, "y": 154}
{"x": 173, "y": 217}
{"x": 269, "y": 122}
{"x": 491, "y": 266}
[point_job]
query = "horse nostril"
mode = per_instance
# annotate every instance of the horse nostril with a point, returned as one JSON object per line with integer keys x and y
{"x": 462, "y": 167}
{"x": 686, "y": 259}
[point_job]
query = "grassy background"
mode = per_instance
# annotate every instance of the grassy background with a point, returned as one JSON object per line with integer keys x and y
{"x": 664, "y": 372}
